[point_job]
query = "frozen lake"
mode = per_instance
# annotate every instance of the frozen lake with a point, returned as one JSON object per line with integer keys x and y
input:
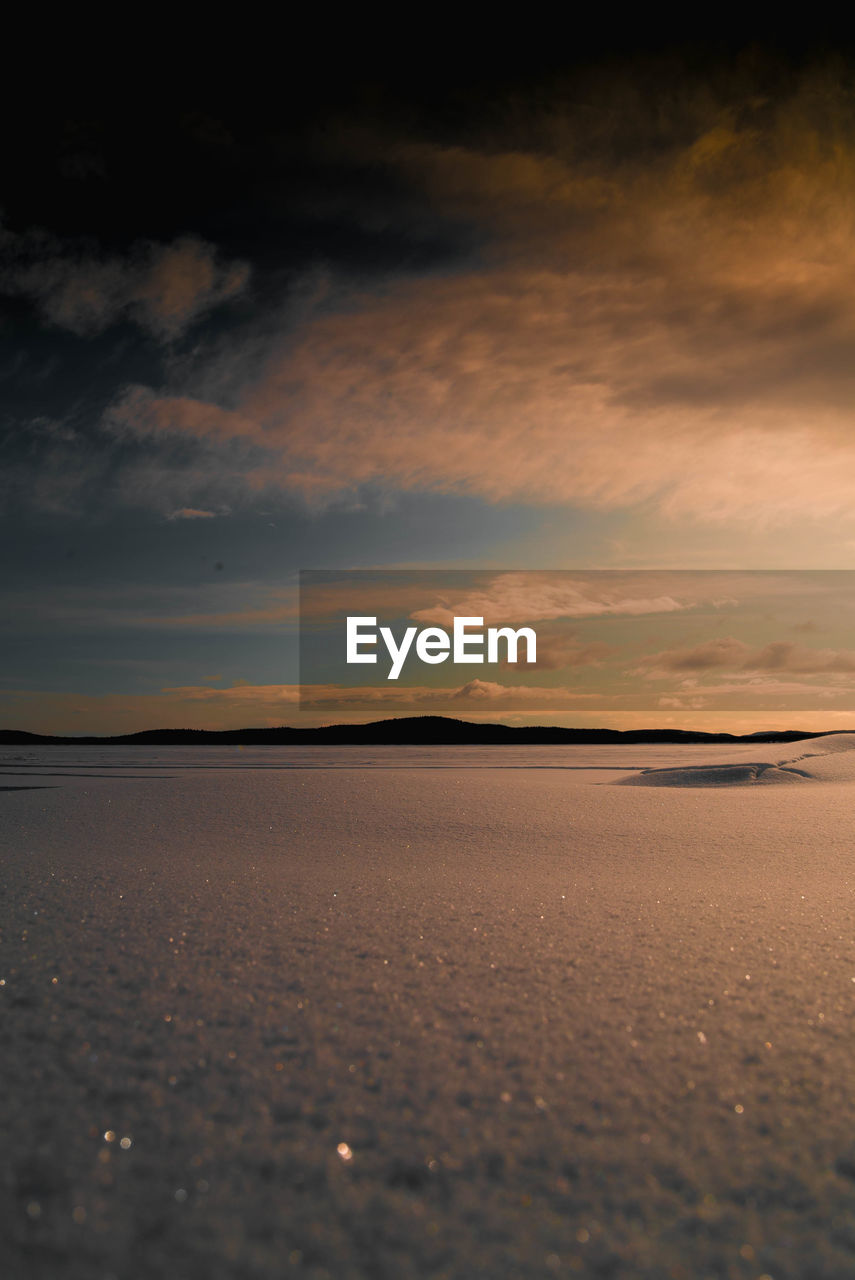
{"x": 428, "y": 1013}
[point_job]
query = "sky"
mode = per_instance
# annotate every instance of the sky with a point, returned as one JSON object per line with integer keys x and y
{"x": 559, "y": 306}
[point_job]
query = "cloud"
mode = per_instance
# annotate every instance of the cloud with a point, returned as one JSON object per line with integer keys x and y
{"x": 556, "y": 653}
{"x": 536, "y": 596}
{"x": 243, "y": 692}
{"x": 660, "y": 313}
{"x": 416, "y": 697}
{"x": 245, "y": 703}
{"x": 162, "y": 288}
{"x": 728, "y": 652}
{"x": 191, "y": 513}
{"x": 722, "y": 652}
{"x": 521, "y": 597}
{"x": 782, "y": 655}
{"x": 744, "y": 690}
{"x": 488, "y": 691}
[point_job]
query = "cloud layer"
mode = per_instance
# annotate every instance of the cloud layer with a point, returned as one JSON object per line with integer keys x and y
{"x": 670, "y": 323}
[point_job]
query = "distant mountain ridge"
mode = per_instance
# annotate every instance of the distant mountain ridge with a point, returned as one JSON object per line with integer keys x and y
{"x": 405, "y": 731}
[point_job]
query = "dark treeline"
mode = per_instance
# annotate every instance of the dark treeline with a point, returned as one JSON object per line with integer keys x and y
{"x": 409, "y": 730}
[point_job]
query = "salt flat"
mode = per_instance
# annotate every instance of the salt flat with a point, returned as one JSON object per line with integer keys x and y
{"x": 424, "y": 1013}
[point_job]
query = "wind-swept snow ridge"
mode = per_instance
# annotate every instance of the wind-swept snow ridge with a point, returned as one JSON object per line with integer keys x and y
{"x": 830, "y": 759}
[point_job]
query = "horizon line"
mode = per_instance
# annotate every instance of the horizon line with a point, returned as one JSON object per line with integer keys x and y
{"x": 395, "y": 726}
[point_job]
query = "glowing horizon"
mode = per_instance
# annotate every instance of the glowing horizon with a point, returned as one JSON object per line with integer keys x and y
{"x": 594, "y": 319}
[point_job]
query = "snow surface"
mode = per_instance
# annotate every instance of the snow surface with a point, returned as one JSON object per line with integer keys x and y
{"x": 427, "y": 1013}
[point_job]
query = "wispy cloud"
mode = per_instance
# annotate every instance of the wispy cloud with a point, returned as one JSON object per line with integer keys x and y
{"x": 162, "y": 288}
{"x": 535, "y": 597}
{"x": 729, "y": 653}
{"x": 557, "y": 652}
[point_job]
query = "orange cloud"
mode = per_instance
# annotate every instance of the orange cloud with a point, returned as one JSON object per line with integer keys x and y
{"x": 672, "y": 329}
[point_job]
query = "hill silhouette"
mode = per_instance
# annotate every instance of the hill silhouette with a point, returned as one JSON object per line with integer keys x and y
{"x": 403, "y": 731}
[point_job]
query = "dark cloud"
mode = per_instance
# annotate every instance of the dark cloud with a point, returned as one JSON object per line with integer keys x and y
{"x": 162, "y": 288}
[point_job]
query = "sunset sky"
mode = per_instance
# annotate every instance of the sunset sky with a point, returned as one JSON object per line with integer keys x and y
{"x": 579, "y": 311}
